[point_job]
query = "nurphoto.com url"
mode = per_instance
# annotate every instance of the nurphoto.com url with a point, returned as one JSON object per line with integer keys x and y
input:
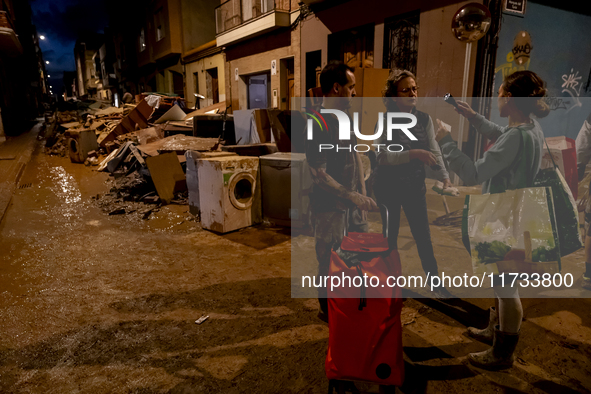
{"x": 505, "y": 279}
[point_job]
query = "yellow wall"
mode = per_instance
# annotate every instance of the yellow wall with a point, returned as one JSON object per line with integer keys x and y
{"x": 199, "y": 67}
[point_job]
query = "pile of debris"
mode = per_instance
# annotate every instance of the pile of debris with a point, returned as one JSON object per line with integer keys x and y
{"x": 152, "y": 150}
{"x": 141, "y": 145}
{"x": 134, "y": 193}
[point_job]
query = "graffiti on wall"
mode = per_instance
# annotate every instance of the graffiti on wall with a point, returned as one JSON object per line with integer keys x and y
{"x": 572, "y": 86}
{"x": 522, "y": 47}
{"x": 519, "y": 57}
{"x": 509, "y": 67}
{"x": 555, "y": 103}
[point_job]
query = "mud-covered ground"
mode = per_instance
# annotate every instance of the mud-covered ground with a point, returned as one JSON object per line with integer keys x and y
{"x": 98, "y": 303}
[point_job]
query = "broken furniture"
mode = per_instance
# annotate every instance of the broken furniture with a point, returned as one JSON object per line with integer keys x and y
{"x": 178, "y": 143}
{"x": 215, "y": 126}
{"x": 138, "y": 116}
{"x": 252, "y": 126}
{"x": 167, "y": 174}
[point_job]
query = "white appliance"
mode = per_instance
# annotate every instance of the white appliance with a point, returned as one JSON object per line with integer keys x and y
{"x": 229, "y": 192}
{"x": 192, "y": 176}
{"x": 286, "y": 184}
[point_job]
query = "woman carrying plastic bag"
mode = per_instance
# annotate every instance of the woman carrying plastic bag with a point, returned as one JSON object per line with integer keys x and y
{"x": 502, "y": 168}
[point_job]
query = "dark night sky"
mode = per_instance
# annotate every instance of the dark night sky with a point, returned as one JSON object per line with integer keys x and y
{"x": 60, "y": 21}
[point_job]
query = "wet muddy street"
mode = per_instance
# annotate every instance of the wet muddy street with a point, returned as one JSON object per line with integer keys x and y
{"x": 98, "y": 303}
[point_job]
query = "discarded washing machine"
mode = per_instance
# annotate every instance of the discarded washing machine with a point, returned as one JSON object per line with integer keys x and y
{"x": 229, "y": 192}
{"x": 193, "y": 158}
{"x": 80, "y": 142}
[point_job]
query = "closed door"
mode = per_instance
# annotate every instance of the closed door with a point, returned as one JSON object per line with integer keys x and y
{"x": 258, "y": 91}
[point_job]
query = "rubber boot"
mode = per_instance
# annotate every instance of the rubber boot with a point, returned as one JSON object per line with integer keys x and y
{"x": 500, "y": 355}
{"x": 486, "y": 335}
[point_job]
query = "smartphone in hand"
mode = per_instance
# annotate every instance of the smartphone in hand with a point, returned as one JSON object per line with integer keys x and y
{"x": 448, "y": 98}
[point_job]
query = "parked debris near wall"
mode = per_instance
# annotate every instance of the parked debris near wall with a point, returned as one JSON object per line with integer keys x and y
{"x": 144, "y": 148}
{"x": 123, "y": 141}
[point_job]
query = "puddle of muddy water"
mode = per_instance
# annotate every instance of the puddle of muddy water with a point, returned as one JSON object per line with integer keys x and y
{"x": 55, "y": 218}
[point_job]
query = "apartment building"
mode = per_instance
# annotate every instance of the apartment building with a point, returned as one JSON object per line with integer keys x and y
{"x": 88, "y": 65}
{"x": 261, "y": 42}
{"x": 203, "y": 61}
{"x": 23, "y": 80}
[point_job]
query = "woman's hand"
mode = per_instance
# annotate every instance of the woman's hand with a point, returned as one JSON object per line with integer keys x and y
{"x": 423, "y": 155}
{"x": 465, "y": 110}
{"x": 441, "y": 131}
{"x": 447, "y": 183}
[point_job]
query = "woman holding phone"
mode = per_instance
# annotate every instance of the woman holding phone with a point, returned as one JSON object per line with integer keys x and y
{"x": 498, "y": 171}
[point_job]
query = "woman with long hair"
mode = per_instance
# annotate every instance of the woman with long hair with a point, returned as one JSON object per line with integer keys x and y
{"x": 500, "y": 169}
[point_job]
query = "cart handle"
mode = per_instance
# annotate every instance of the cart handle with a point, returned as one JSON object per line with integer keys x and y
{"x": 383, "y": 214}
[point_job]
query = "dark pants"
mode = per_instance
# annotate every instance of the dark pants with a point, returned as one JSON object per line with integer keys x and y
{"x": 329, "y": 229}
{"x": 412, "y": 199}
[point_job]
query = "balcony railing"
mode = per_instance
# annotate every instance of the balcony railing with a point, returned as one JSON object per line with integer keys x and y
{"x": 233, "y": 13}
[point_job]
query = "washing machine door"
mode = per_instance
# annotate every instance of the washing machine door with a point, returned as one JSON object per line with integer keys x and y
{"x": 241, "y": 189}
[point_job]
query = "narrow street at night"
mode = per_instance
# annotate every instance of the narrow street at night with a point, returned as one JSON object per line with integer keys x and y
{"x": 295, "y": 196}
{"x": 98, "y": 303}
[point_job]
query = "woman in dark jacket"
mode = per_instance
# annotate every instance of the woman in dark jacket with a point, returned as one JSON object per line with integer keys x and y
{"x": 400, "y": 177}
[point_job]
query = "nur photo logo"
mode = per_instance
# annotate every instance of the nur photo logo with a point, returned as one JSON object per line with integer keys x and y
{"x": 344, "y": 122}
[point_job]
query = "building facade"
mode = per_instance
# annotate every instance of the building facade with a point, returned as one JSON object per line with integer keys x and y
{"x": 87, "y": 65}
{"x": 261, "y": 42}
{"x": 23, "y": 79}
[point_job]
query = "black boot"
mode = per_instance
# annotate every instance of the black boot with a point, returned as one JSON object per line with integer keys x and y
{"x": 500, "y": 355}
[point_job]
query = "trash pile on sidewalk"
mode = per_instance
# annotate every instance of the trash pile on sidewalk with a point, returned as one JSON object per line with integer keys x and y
{"x": 160, "y": 153}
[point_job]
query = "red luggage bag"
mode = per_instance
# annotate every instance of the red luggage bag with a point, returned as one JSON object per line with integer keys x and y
{"x": 365, "y": 333}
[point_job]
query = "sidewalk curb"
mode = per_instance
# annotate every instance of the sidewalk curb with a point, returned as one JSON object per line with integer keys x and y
{"x": 9, "y": 182}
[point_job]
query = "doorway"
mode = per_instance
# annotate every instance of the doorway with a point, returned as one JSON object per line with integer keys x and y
{"x": 258, "y": 90}
{"x": 212, "y": 86}
{"x": 287, "y": 83}
{"x": 178, "y": 84}
{"x": 313, "y": 68}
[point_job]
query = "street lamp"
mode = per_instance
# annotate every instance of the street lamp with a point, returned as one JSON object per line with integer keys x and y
{"x": 48, "y": 76}
{"x": 47, "y": 62}
{"x": 42, "y": 37}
